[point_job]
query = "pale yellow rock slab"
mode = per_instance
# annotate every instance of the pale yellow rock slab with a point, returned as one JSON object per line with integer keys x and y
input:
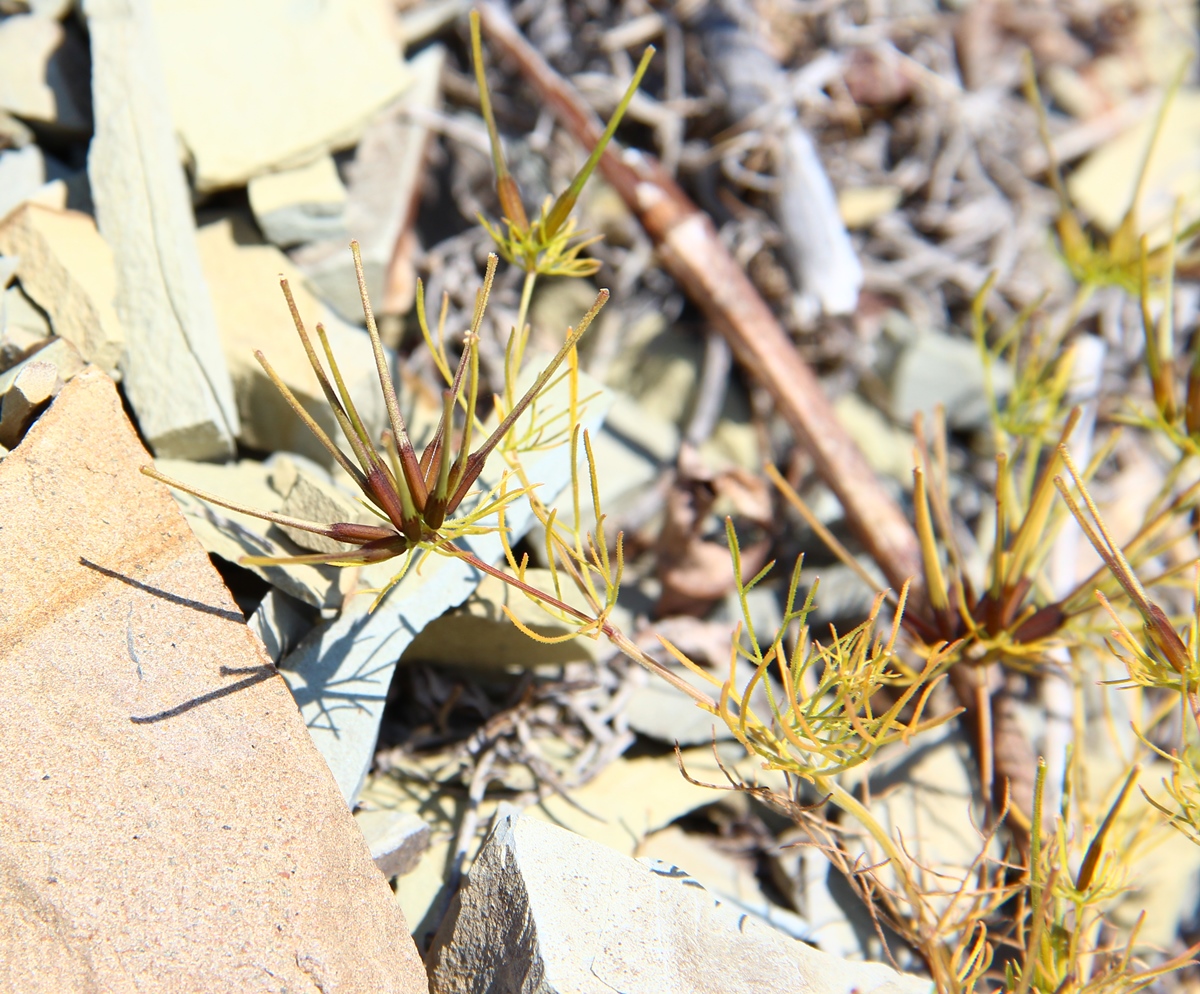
{"x": 862, "y": 206}
{"x": 166, "y": 823}
{"x": 263, "y": 86}
{"x": 300, "y": 205}
{"x": 384, "y": 186}
{"x": 630, "y": 798}
{"x": 67, "y": 269}
{"x": 1103, "y": 187}
{"x": 316, "y": 182}
{"x": 253, "y": 315}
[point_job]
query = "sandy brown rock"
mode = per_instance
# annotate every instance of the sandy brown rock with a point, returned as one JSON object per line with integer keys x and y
{"x": 166, "y": 823}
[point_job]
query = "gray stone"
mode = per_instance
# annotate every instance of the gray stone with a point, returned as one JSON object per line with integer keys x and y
{"x": 731, "y": 878}
{"x": 22, "y": 173}
{"x": 45, "y": 73}
{"x": 312, "y": 499}
{"x": 545, "y": 910}
{"x": 253, "y": 315}
{"x": 340, "y": 674}
{"x": 398, "y": 839}
{"x": 383, "y": 192}
{"x": 631, "y": 452}
{"x": 660, "y": 711}
{"x": 280, "y": 622}
{"x": 175, "y": 374}
{"x": 937, "y": 369}
{"x": 272, "y": 84}
{"x": 306, "y": 204}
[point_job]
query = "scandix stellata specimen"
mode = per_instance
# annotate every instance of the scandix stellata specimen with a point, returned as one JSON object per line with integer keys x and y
{"x": 417, "y": 497}
{"x": 1030, "y": 918}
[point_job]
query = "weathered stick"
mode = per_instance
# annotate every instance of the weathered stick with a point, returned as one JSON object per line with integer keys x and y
{"x": 692, "y": 252}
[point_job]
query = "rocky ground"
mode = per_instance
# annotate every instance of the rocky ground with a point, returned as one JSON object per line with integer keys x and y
{"x": 230, "y": 777}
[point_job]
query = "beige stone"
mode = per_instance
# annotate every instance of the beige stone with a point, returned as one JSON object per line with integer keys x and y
{"x": 253, "y": 315}
{"x": 67, "y": 269}
{"x": 295, "y": 79}
{"x": 547, "y": 910}
{"x": 174, "y": 371}
{"x": 167, "y": 823}
{"x": 44, "y": 76}
{"x": 383, "y": 194}
{"x": 1103, "y": 186}
{"x": 862, "y": 206}
{"x": 32, "y": 387}
{"x": 300, "y": 205}
{"x": 59, "y": 353}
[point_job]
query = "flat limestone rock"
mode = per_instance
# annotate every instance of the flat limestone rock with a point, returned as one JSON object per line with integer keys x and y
{"x": 292, "y": 80}
{"x": 398, "y": 839}
{"x": 232, "y": 535}
{"x": 549, "y": 911}
{"x": 67, "y": 269}
{"x": 166, "y": 822}
{"x": 174, "y": 371}
{"x": 383, "y": 194}
{"x": 305, "y": 204}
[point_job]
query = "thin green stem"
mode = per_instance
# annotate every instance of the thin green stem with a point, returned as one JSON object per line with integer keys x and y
{"x": 515, "y": 354}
